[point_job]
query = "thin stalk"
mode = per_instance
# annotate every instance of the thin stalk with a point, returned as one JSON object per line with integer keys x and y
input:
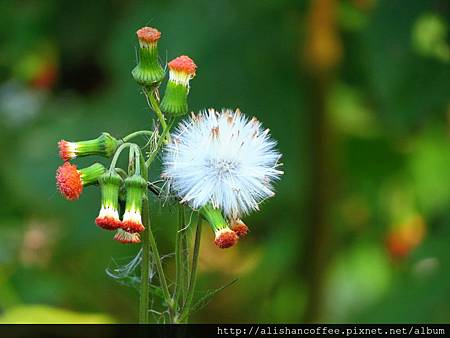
{"x": 136, "y": 134}
{"x": 159, "y": 268}
{"x": 117, "y": 153}
{"x": 178, "y": 260}
{"x": 138, "y": 153}
{"x": 159, "y": 144}
{"x": 185, "y": 266}
{"x": 149, "y": 244}
{"x": 151, "y": 100}
{"x": 131, "y": 161}
{"x": 193, "y": 276}
{"x": 144, "y": 306}
{"x": 145, "y": 267}
{"x": 122, "y": 173}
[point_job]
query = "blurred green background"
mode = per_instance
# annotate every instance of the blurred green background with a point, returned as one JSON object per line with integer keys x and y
{"x": 357, "y": 94}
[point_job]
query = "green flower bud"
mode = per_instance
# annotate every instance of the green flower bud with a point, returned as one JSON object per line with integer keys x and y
{"x": 108, "y": 217}
{"x": 181, "y": 71}
{"x": 224, "y": 236}
{"x": 104, "y": 145}
{"x": 136, "y": 188}
{"x": 148, "y": 71}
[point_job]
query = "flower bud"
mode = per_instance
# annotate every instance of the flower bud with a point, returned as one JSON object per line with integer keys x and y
{"x": 239, "y": 227}
{"x": 136, "y": 188}
{"x": 108, "y": 217}
{"x": 104, "y": 145}
{"x": 70, "y": 181}
{"x": 224, "y": 236}
{"x": 181, "y": 71}
{"x": 148, "y": 70}
{"x": 126, "y": 237}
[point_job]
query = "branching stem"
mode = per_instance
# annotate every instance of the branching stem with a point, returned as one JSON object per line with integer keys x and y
{"x": 136, "y": 134}
{"x": 184, "y": 315}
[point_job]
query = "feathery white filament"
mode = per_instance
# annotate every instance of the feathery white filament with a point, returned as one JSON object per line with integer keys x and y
{"x": 109, "y": 212}
{"x": 180, "y": 77}
{"x": 133, "y": 216}
{"x": 223, "y": 158}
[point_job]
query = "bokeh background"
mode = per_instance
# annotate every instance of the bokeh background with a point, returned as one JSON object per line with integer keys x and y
{"x": 357, "y": 94}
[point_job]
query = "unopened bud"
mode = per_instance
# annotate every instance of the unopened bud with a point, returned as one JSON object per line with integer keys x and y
{"x": 108, "y": 217}
{"x": 104, "y": 145}
{"x": 148, "y": 71}
{"x": 136, "y": 188}
{"x": 224, "y": 236}
{"x": 181, "y": 71}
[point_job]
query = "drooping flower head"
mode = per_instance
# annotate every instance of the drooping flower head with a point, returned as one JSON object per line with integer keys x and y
{"x": 70, "y": 180}
{"x": 239, "y": 227}
{"x": 126, "y": 237}
{"x": 108, "y": 217}
{"x": 222, "y": 158}
{"x": 224, "y": 236}
{"x": 181, "y": 71}
{"x": 148, "y": 71}
{"x": 104, "y": 145}
{"x": 136, "y": 188}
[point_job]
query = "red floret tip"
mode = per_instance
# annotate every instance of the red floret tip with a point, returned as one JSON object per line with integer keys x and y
{"x": 240, "y": 228}
{"x": 183, "y": 64}
{"x": 108, "y": 223}
{"x": 226, "y": 239}
{"x": 148, "y": 34}
{"x": 64, "y": 152}
{"x": 68, "y": 181}
{"x": 132, "y": 227}
{"x": 127, "y": 238}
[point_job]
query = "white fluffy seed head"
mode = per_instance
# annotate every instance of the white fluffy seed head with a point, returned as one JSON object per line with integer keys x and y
{"x": 221, "y": 158}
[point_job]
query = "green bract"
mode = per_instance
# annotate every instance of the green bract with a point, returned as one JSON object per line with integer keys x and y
{"x": 148, "y": 71}
{"x": 214, "y": 217}
{"x": 136, "y": 188}
{"x": 110, "y": 185}
{"x": 175, "y": 99}
{"x": 91, "y": 174}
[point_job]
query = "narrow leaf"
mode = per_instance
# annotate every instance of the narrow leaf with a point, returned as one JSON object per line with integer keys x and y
{"x": 206, "y": 298}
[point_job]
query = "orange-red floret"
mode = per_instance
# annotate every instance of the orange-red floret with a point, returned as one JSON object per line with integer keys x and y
{"x": 132, "y": 227}
{"x": 64, "y": 152}
{"x": 108, "y": 223}
{"x": 148, "y": 34}
{"x": 183, "y": 64}
{"x": 226, "y": 239}
{"x": 68, "y": 181}
{"x": 240, "y": 228}
{"x": 127, "y": 238}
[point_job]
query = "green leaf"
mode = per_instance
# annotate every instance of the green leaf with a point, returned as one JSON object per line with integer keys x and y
{"x": 206, "y": 298}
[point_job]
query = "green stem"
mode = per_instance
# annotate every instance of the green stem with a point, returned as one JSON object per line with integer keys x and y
{"x": 122, "y": 173}
{"x": 145, "y": 271}
{"x": 178, "y": 267}
{"x": 185, "y": 266}
{"x": 117, "y": 153}
{"x": 149, "y": 244}
{"x": 159, "y": 144}
{"x": 159, "y": 270}
{"x": 136, "y": 134}
{"x": 138, "y": 153}
{"x": 193, "y": 276}
{"x": 155, "y": 106}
